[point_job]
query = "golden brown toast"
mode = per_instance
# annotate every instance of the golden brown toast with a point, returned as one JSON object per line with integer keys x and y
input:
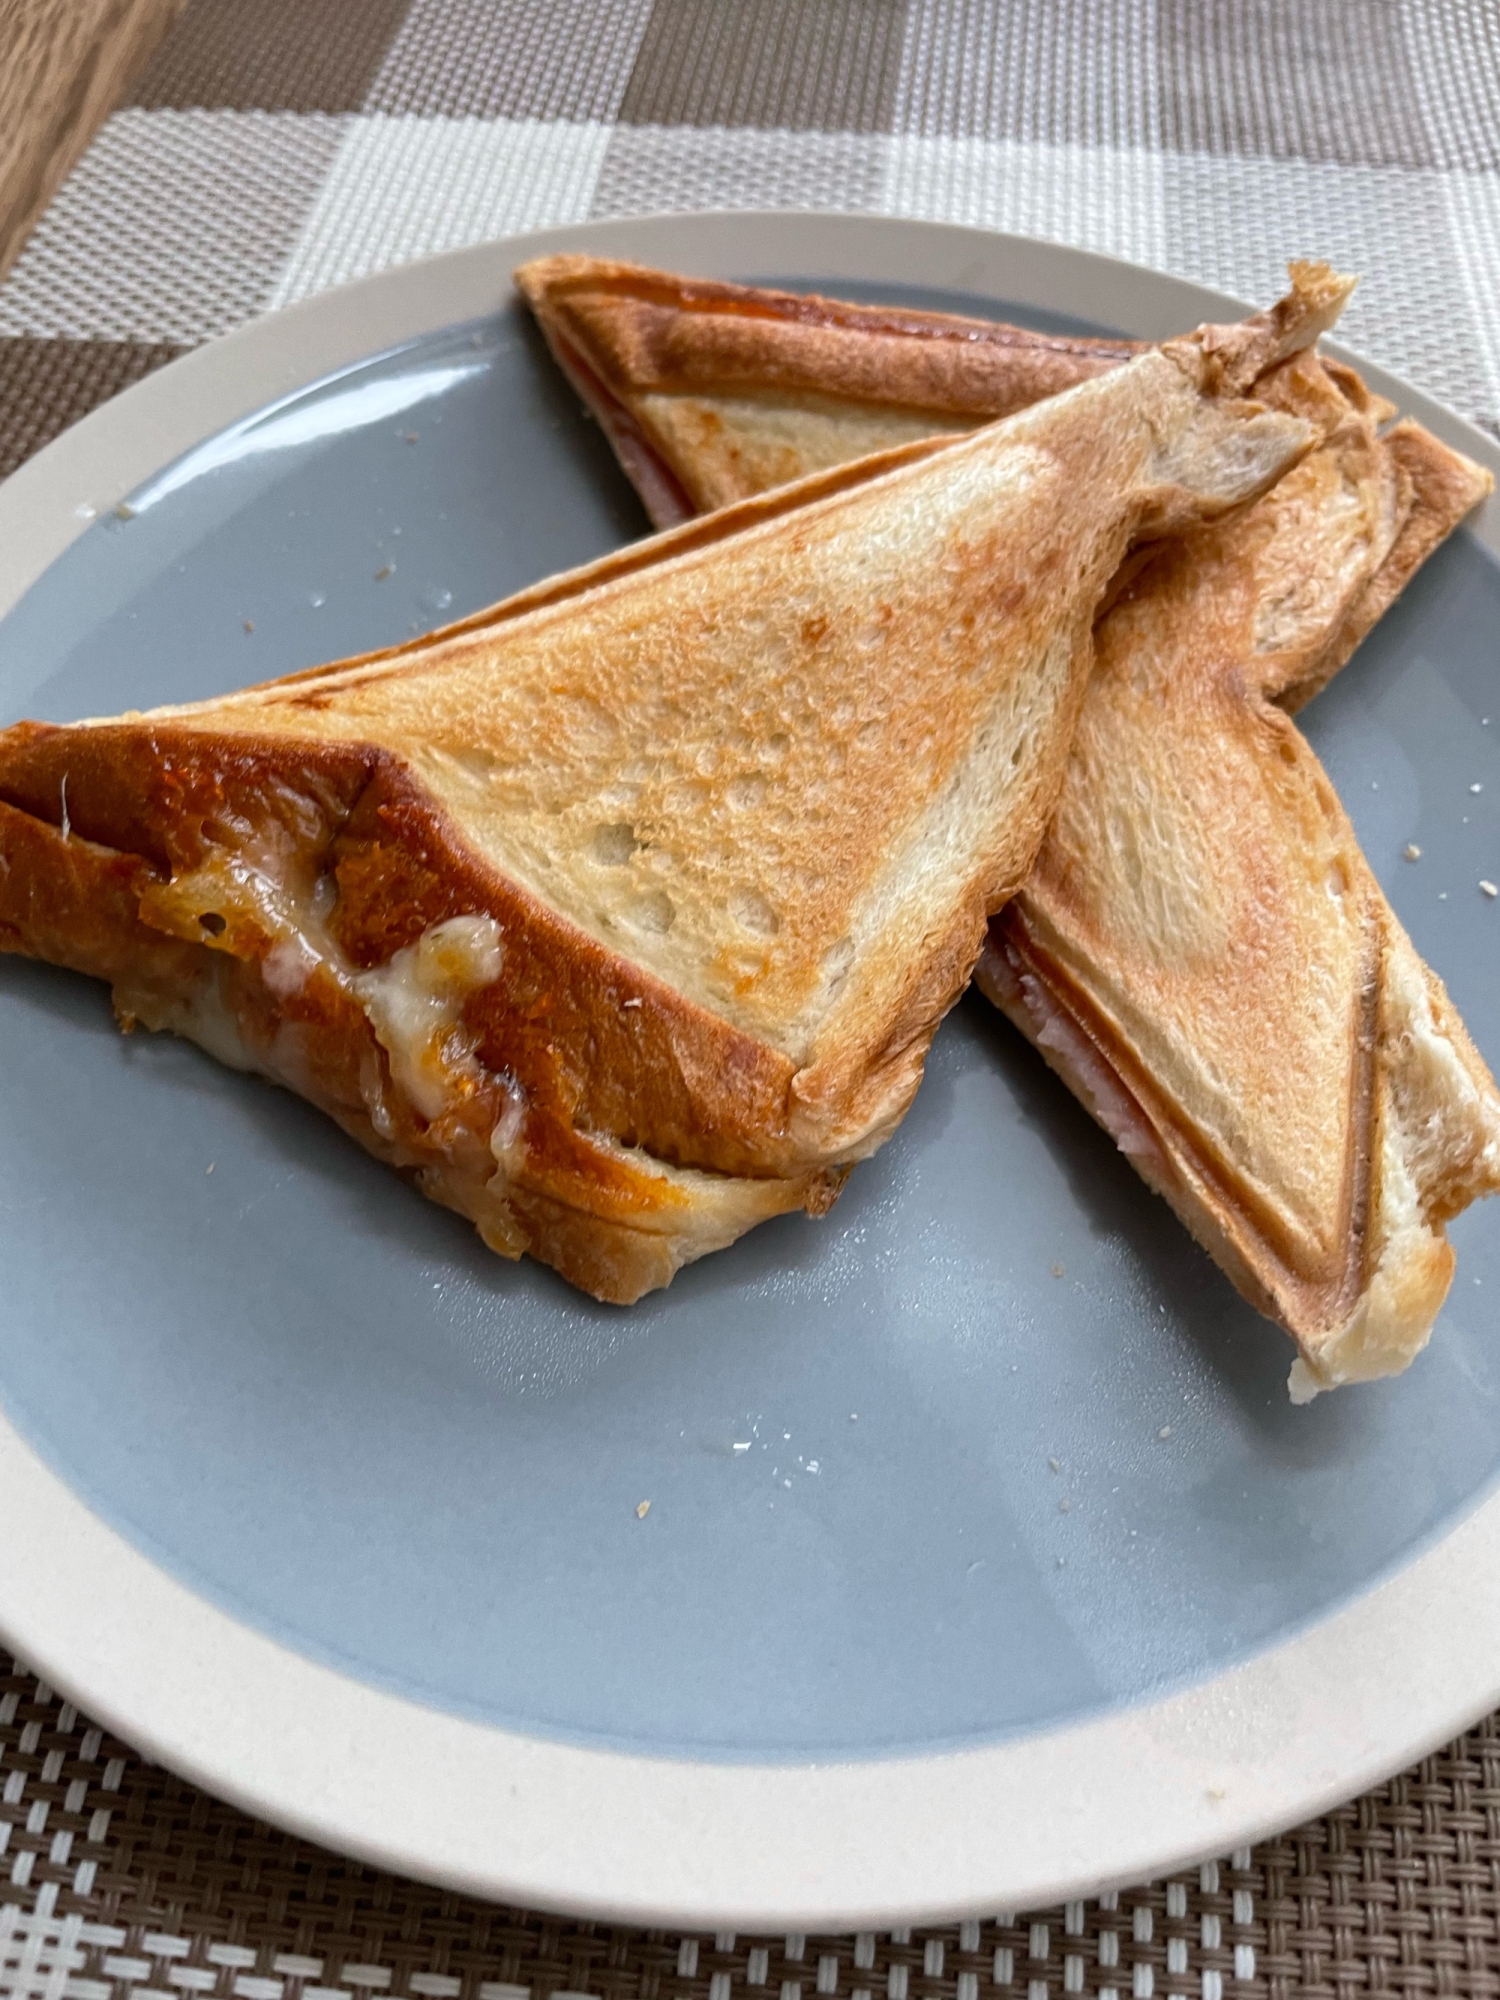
{"x": 1280, "y": 1157}
{"x": 622, "y": 916}
{"x": 1202, "y": 952}
{"x": 711, "y": 393}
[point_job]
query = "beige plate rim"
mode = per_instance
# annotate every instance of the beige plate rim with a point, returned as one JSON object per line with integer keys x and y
{"x": 1017, "y": 1824}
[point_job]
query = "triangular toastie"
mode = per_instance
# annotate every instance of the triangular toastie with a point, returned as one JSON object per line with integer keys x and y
{"x": 711, "y": 393}
{"x": 1202, "y": 952}
{"x": 622, "y": 915}
{"x": 1315, "y": 1151}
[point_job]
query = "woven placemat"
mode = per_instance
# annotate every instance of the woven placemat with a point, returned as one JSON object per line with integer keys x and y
{"x": 126, "y": 1881}
{"x": 278, "y": 147}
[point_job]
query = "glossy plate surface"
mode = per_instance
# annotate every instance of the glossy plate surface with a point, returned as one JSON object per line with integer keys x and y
{"x": 991, "y": 1453}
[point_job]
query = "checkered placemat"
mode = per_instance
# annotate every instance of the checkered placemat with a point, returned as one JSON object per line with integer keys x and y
{"x": 278, "y": 146}
{"x": 275, "y": 147}
{"x": 128, "y": 1884}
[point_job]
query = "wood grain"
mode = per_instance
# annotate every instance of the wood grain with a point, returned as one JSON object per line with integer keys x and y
{"x": 64, "y": 65}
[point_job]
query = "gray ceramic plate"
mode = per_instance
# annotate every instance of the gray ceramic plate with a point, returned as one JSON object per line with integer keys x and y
{"x": 964, "y": 1582}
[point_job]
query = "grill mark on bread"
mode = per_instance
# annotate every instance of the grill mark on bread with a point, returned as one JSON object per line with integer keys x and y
{"x": 552, "y": 277}
{"x": 1205, "y": 1188}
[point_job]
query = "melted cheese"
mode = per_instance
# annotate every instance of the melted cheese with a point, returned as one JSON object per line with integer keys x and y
{"x": 414, "y": 1004}
{"x": 200, "y": 1013}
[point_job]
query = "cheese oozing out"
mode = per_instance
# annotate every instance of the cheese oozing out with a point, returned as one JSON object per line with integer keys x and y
{"x": 415, "y": 1002}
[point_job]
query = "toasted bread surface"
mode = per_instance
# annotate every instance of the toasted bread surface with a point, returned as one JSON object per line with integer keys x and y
{"x": 624, "y": 916}
{"x": 427, "y": 1059}
{"x": 1202, "y": 951}
{"x": 711, "y": 392}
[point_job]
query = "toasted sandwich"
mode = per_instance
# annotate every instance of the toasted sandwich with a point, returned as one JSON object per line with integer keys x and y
{"x": 711, "y": 393}
{"x": 621, "y": 916}
{"x": 1202, "y": 952}
{"x": 1316, "y": 1151}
